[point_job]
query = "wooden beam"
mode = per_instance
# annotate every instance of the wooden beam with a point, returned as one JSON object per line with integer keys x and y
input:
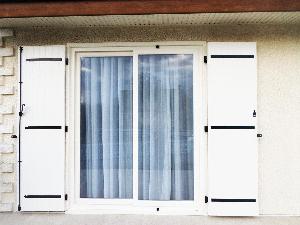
{"x": 130, "y": 7}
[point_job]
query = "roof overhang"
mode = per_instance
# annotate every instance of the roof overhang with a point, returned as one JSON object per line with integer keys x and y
{"x": 18, "y": 8}
{"x": 246, "y": 18}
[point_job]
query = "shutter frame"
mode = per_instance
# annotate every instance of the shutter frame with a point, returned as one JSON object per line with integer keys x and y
{"x": 232, "y": 142}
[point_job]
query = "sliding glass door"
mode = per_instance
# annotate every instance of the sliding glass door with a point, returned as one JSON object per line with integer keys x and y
{"x": 139, "y": 131}
{"x": 106, "y": 127}
{"x": 166, "y": 136}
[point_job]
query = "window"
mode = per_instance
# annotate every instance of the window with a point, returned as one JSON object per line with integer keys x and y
{"x": 138, "y": 135}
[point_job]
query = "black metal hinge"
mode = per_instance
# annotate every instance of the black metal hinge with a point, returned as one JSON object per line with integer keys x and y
{"x": 206, "y": 129}
{"x": 205, "y": 59}
{"x": 66, "y": 197}
{"x": 19, "y": 208}
{"x": 206, "y": 199}
{"x": 66, "y": 128}
{"x": 67, "y": 61}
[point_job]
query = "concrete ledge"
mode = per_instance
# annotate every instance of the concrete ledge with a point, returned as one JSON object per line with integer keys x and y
{"x": 64, "y": 219}
{"x": 7, "y": 167}
{"x": 6, "y": 109}
{"x": 6, "y": 129}
{"x": 5, "y": 207}
{"x": 7, "y": 187}
{"x": 6, "y": 148}
{"x": 6, "y": 71}
{"x": 2, "y": 80}
{"x": 6, "y": 51}
{"x": 6, "y": 90}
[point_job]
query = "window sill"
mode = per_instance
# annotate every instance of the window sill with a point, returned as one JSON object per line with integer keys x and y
{"x": 134, "y": 210}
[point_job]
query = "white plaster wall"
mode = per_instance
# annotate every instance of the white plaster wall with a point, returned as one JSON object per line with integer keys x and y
{"x": 278, "y": 92}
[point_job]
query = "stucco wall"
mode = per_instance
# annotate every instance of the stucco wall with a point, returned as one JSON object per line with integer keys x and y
{"x": 278, "y": 94}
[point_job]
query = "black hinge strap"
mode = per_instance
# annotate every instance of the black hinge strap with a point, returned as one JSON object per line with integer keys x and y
{"x": 232, "y": 127}
{"x": 232, "y": 56}
{"x": 67, "y": 61}
{"x": 233, "y": 200}
{"x": 42, "y": 196}
{"x": 43, "y": 59}
{"x": 42, "y": 127}
{"x": 205, "y": 59}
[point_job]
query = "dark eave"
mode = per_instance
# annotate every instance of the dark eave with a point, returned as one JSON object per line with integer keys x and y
{"x": 14, "y": 9}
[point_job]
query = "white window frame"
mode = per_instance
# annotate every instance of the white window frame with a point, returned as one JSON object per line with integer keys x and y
{"x": 135, "y": 206}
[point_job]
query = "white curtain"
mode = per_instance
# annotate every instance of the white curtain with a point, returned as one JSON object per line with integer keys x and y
{"x": 166, "y": 161}
{"x": 106, "y": 127}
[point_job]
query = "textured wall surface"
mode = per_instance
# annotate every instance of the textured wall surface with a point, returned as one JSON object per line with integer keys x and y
{"x": 278, "y": 96}
{"x": 7, "y": 120}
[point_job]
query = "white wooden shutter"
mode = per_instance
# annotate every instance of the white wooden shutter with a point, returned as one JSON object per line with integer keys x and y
{"x": 232, "y": 141}
{"x": 43, "y": 128}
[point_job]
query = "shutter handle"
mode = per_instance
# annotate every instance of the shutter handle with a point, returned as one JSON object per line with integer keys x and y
{"x": 21, "y": 110}
{"x": 254, "y": 113}
{"x": 14, "y": 136}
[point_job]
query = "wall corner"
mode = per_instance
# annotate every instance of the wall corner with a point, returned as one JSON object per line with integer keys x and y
{"x": 7, "y": 121}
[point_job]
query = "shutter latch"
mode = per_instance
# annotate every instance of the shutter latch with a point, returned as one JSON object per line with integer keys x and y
{"x": 67, "y": 61}
{"x": 21, "y": 110}
{"x": 205, "y": 59}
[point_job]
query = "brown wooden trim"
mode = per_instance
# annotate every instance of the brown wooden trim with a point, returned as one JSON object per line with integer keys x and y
{"x": 130, "y": 7}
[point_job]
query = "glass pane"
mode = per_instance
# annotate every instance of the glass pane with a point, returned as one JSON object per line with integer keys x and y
{"x": 106, "y": 127}
{"x": 166, "y": 159}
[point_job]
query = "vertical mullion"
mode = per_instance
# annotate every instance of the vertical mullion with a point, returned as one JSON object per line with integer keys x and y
{"x": 135, "y": 126}
{"x": 77, "y": 127}
{"x": 196, "y": 121}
